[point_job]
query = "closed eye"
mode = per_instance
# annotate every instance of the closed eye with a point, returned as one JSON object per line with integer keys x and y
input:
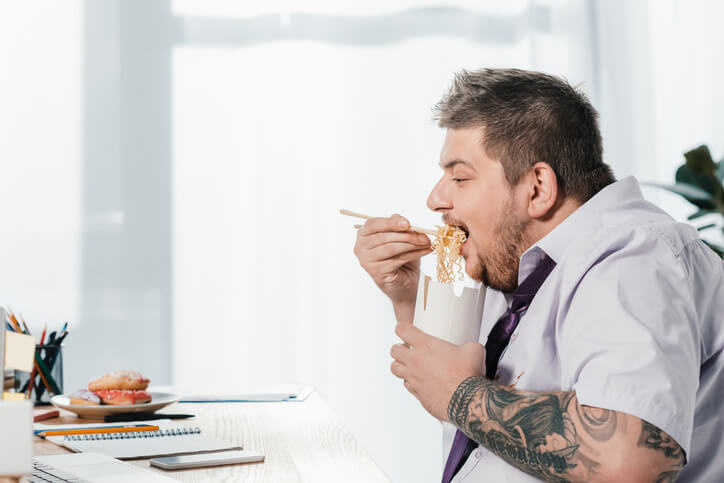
{"x": 459, "y": 180}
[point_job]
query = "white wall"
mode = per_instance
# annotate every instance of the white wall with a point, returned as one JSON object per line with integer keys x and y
{"x": 40, "y": 160}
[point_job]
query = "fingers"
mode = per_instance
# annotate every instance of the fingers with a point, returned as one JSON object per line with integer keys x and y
{"x": 409, "y": 387}
{"x": 398, "y": 369}
{"x": 400, "y": 352}
{"x": 375, "y": 240}
{"x": 374, "y": 246}
{"x": 411, "y": 334}
{"x": 392, "y": 264}
{"x": 392, "y": 250}
{"x": 376, "y": 225}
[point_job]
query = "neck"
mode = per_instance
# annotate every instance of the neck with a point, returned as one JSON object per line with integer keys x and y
{"x": 540, "y": 227}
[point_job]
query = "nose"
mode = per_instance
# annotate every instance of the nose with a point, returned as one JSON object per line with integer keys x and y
{"x": 439, "y": 199}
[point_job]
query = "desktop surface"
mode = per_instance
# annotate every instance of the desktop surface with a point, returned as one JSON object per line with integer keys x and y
{"x": 301, "y": 441}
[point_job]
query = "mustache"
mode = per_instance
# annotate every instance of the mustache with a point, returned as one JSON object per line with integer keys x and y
{"x": 449, "y": 220}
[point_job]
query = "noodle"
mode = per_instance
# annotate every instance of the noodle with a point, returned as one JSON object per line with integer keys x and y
{"x": 447, "y": 246}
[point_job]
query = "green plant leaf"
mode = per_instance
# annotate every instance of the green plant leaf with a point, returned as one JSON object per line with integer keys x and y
{"x": 720, "y": 170}
{"x": 693, "y": 194}
{"x": 700, "y": 213}
{"x": 701, "y": 170}
{"x": 699, "y": 160}
{"x": 705, "y": 227}
{"x": 707, "y": 182}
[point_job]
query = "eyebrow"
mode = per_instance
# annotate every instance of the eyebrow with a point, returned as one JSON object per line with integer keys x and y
{"x": 451, "y": 164}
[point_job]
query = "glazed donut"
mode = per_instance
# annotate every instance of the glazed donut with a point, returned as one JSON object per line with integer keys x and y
{"x": 126, "y": 380}
{"x": 85, "y": 397}
{"x": 118, "y": 397}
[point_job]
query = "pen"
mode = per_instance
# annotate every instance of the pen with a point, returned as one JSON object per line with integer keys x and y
{"x": 68, "y": 432}
{"x": 59, "y": 340}
{"x": 46, "y": 377}
{"x": 35, "y": 370}
{"x": 116, "y": 418}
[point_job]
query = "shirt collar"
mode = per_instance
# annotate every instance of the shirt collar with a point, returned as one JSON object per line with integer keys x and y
{"x": 577, "y": 225}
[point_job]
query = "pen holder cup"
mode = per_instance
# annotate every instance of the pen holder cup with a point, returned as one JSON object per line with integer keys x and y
{"x": 43, "y": 387}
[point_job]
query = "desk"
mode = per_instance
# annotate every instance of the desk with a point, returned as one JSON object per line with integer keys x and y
{"x": 302, "y": 441}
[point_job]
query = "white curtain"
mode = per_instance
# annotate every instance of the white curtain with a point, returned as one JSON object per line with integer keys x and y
{"x": 172, "y": 171}
{"x": 271, "y": 137}
{"x": 660, "y": 70}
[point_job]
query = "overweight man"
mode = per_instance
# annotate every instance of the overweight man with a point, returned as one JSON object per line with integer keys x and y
{"x": 600, "y": 356}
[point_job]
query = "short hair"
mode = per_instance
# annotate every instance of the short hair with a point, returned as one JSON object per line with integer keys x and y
{"x": 529, "y": 117}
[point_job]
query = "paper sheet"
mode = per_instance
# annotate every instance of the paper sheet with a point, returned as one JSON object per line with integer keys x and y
{"x": 19, "y": 351}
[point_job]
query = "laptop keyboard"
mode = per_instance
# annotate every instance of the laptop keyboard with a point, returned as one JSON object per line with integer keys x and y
{"x": 44, "y": 473}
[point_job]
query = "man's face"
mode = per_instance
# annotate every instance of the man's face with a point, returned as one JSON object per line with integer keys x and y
{"x": 474, "y": 195}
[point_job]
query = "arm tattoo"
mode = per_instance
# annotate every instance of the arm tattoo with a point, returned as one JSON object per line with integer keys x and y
{"x": 599, "y": 423}
{"x": 532, "y": 432}
{"x": 554, "y": 437}
{"x": 653, "y": 438}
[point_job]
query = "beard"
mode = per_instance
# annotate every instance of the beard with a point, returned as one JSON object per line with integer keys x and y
{"x": 497, "y": 267}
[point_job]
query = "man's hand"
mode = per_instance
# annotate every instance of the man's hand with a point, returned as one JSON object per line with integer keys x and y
{"x": 391, "y": 255}
{"x": 433, "y": 368}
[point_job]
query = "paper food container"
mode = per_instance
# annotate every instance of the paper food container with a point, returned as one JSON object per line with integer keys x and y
{"x": 443, "y": 314}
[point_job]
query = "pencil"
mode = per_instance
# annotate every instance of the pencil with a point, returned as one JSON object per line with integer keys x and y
{"x": 14, "y": 321}
{"x": 31, "y": 381}
{"x": 42, "y": 335}
{"x": 68, "y": 432}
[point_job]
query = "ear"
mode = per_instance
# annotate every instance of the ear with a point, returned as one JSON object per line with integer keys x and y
{"x": 543, "y": 190}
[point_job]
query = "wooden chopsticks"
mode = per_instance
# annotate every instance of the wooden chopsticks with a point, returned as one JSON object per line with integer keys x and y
{"x": 367, "y": 217}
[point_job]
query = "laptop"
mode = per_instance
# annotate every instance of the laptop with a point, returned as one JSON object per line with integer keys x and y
{"x": 90, "y": 467}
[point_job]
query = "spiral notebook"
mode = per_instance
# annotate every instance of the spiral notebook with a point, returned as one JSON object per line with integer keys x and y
{"x": 167, "y": 441}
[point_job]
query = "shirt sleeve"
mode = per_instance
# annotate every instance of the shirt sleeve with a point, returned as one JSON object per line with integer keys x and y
{"x": 629, "y": 341}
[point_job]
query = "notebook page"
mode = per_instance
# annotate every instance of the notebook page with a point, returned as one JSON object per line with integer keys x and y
{"x": 164, "y": 442}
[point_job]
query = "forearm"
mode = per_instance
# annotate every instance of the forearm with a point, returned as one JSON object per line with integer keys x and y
{"x": 553, "y": 437}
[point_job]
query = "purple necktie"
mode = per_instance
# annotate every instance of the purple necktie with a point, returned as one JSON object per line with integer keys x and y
{"x": 497, "y": 341}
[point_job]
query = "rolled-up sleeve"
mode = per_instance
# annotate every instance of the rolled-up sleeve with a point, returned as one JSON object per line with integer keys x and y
{"x": 629, "y": 339}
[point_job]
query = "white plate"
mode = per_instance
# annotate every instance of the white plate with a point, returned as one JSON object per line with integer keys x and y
{"x": 98, "y": 411}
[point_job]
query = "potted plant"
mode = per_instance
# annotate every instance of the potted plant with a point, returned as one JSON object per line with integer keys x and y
{"x": 699, "y": 181}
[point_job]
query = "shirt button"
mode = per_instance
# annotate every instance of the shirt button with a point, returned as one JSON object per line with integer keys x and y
{"x": 479, "y": 454}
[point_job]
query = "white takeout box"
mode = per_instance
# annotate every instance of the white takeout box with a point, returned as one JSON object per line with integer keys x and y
{"x": 443, "y": 314}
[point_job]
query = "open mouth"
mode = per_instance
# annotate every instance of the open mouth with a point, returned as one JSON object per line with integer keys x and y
{"x": 448, "y": 220}
{"x": 464, "y": 229}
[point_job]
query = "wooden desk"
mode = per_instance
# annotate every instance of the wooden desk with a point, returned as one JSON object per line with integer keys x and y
{"x": 302, "y": 441}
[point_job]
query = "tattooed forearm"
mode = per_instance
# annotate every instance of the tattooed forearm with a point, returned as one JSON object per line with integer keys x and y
{"x": 653, "y": 438}
{"x": 553, "y": 437}
{"x": 599, "y": 423}
{"x": 532, "y": 433}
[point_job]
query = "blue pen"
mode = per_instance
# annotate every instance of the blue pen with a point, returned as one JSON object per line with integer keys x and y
{"x": 9, "y": 326}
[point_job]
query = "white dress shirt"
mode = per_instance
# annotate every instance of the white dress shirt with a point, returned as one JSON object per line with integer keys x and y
{"x": 631, "y": 319}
